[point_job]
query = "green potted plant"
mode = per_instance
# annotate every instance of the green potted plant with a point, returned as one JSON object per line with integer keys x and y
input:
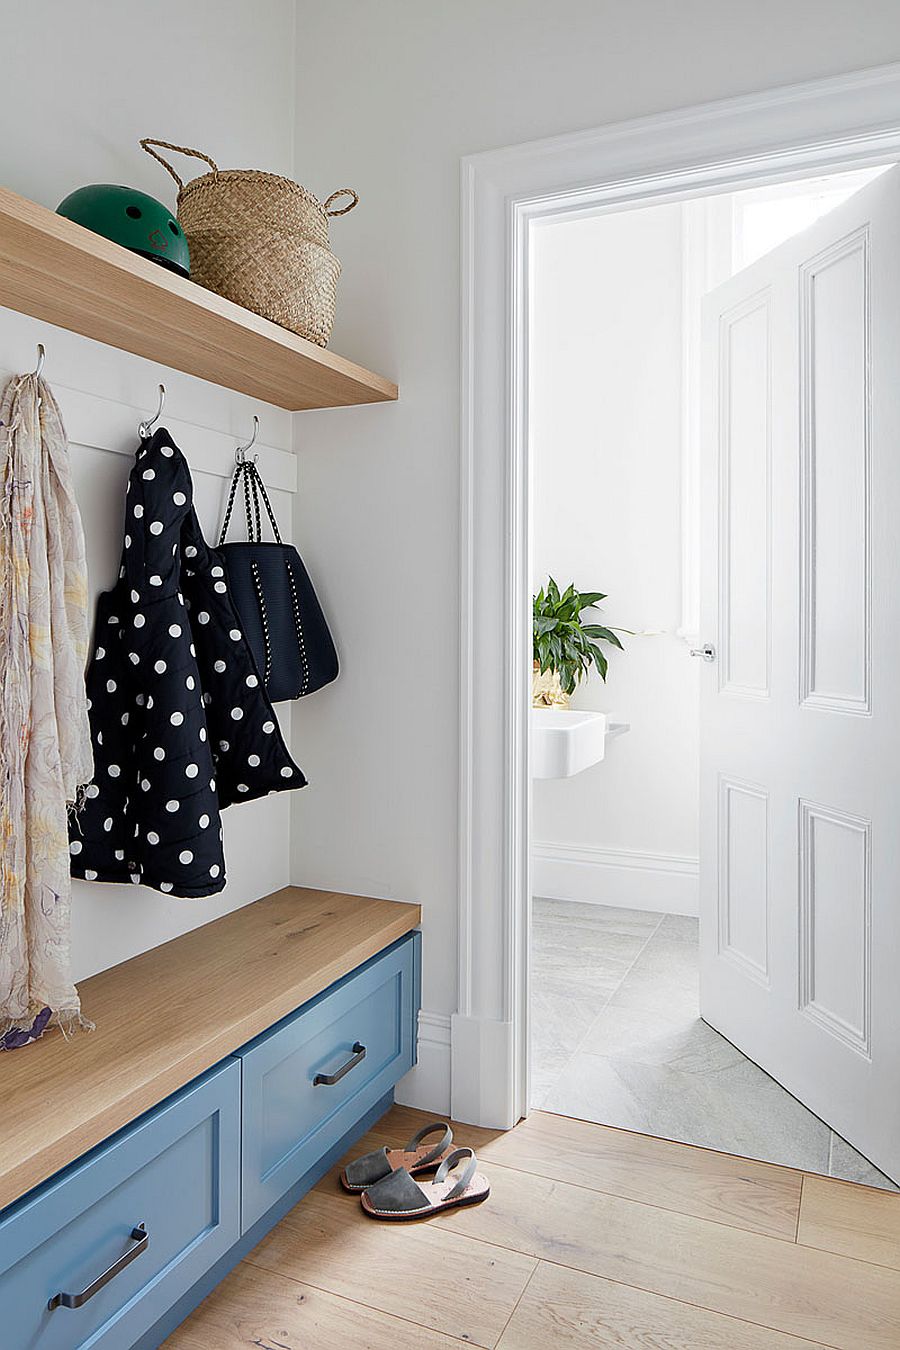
{"x": 565, "y": 649}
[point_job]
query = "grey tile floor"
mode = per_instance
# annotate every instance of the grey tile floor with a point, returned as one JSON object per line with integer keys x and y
{"x": 616, "y": 1037}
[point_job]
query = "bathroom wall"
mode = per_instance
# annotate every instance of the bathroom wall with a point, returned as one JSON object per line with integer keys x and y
{"x": 81, "y": 83}
{"x": 389, "y": 96}
{"x": 606, "y": 390}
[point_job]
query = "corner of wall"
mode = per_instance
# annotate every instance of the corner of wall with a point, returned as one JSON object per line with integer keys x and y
{"x": 427, "y": 1085}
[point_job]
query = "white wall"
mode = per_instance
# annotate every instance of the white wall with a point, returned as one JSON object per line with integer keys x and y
{"x": 389, "y": 96}
{"x": 81, "y": 83}
{"x": 606, "y": 407}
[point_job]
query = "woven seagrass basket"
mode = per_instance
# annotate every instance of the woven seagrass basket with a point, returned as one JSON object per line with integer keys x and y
{"x": 262, "y": 241}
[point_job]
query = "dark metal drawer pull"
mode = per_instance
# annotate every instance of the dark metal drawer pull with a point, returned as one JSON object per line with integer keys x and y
{"x": 140, "y": 1237}
{"x": 329, "y": 1079}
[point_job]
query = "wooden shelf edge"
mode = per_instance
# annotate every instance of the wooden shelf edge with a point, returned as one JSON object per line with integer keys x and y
{"x": 57, "y": 271}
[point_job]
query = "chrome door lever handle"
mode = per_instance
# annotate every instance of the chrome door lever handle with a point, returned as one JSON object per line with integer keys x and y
{"x": 706, "y": 652}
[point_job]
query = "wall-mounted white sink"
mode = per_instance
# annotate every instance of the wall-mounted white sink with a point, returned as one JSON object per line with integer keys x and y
{"x": 565, "y": 741}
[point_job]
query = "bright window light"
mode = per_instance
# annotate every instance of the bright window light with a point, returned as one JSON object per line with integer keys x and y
{"x": 764, "y": 217}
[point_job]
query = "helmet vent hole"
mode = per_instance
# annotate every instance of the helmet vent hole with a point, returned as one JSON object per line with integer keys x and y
{"x": 173, "y": 227}
{"x": 134, "y": 212}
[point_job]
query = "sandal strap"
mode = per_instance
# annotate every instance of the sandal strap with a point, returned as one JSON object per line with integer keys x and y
{"x": 449, "y": 1164}
{"x": 440, "y": 1147}
{"x": 397, "y": 1193}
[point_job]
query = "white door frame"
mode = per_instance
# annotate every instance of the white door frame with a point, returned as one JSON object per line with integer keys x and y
{"x": 820, "y": 127}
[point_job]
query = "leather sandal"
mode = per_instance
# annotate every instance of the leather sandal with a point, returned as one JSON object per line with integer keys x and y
{"x": 372, "y": 1167}
{"x": 398, "y": 1196}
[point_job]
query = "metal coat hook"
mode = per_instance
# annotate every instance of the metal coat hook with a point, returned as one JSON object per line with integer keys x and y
{"x": 146, "y": 427}
{"x": 240, "y": 454}
{"x": 40, "y": 365}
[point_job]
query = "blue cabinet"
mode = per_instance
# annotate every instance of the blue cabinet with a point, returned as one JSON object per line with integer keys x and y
{"x": 114, "y": 1251}
{"x": 310, "y": 1077}
{"x": 158, "y": 1206}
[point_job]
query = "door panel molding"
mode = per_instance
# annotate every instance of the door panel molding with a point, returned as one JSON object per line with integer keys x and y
{"x": 740, "y": 874}
{"x": 831, "y": 936}
{"x": 835, "y": 552}
{"x": 745, "y": 500}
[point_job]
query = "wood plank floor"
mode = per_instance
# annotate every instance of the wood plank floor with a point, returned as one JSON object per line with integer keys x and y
{"x": 591, "y": 1237}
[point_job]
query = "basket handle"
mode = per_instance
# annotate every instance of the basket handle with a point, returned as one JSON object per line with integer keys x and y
{"x": 147, "y": 141}
{"x": 341, "y": 192}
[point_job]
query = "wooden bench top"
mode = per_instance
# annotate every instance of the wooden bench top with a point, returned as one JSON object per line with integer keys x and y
{"x": 172, "y": 1013}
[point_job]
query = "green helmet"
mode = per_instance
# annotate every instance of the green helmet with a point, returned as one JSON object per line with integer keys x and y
{"x": 130, "y": 218}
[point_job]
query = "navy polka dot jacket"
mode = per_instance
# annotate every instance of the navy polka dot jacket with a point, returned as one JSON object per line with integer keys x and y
{"x": 180, "y": 722}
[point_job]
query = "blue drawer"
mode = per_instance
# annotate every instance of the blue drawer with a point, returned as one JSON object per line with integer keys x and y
{"x": 176, "y": 1173}
{"x": 291, "y": 1114}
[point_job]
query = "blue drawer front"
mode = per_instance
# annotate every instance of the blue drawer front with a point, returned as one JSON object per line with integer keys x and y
{"x": 289, "y": 1120}
{"x": 177, "y": 1173}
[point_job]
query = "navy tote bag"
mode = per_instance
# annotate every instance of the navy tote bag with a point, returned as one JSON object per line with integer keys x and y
{"x": 278, "y": 606}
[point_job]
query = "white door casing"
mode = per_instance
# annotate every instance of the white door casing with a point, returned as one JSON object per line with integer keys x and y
{"x": 800, "y": 715}
{"x": 814, "y": 128}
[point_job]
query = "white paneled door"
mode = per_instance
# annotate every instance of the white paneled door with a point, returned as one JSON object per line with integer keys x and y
{"x": 800, "y": 707}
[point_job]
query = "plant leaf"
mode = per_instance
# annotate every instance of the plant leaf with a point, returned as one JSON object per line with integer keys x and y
{"x": 561, "y": 642}
{"x": 596, "y": 630}
{"x": 600, "y": 662}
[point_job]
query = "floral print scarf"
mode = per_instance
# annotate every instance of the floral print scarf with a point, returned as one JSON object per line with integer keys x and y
{"x": 45, "y": 747}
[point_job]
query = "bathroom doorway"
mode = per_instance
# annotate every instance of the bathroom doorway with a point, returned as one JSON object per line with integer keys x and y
{"x": 630, "y": 314}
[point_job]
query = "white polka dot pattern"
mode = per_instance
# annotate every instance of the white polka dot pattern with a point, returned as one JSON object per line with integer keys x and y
{"x": 153, "y": 815}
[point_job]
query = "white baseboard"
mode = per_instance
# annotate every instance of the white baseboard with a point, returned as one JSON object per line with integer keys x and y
{"x": 482, "y": 1093}
{"x": 599, "y": 876}
{"x": 427, "y": 1086}
{"x": 478, "y": 1047}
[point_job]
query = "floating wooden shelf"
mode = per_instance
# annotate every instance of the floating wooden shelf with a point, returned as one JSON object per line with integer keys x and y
{"x": 58, "y": 271}
{"x": 172, "y": 1013}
